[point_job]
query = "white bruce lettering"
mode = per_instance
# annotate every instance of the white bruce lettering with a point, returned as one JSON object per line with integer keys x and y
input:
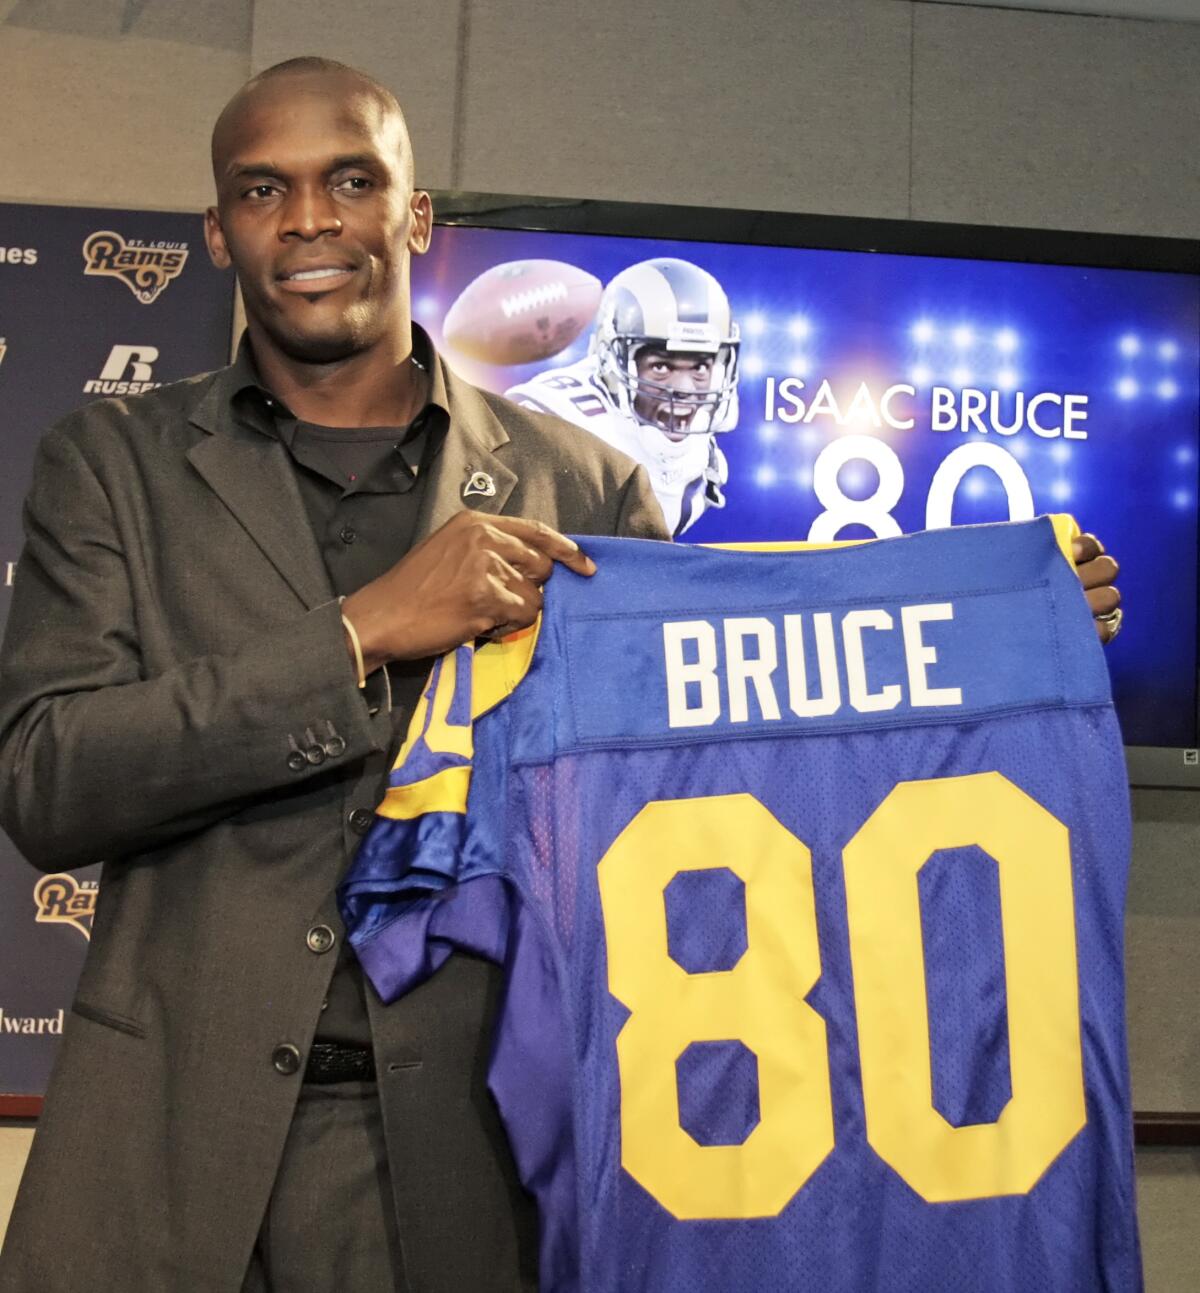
{"x": 701, "y": 673}
{"x": 919, "y": 655}
{"x": 757, "y": 669}
{"x": 863, "y": 699}
{"x": 829, "y": 699}
{"x": 709, "y": 667}
{"x": 942, "y": 413}
{"x": 1047, "y": 397}
{"x": 1074, "y": 410}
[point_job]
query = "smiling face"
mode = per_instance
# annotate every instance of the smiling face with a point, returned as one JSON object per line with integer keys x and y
{"x": 317, "y": 214}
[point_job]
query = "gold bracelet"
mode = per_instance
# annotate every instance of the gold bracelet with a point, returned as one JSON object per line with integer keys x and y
{"x": 357, "y": 645}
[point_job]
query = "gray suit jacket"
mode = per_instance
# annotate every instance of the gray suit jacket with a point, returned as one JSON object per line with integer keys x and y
{"x": 172, "y": 640}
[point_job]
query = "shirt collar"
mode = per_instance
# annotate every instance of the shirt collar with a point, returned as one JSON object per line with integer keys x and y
{"x": 251, "y": 401}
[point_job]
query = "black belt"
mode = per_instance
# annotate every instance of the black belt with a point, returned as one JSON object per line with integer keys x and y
{"x": 338, "y": 1062}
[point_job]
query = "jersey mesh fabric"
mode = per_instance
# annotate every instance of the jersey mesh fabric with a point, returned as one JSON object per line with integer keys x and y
{"x": 560, "y": 772}
{"x": 855, "y": 1226}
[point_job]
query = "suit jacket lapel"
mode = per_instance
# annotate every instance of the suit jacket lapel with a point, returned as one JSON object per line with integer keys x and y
{"x": 467, "y": 473}
{"x": 253, "y": 476}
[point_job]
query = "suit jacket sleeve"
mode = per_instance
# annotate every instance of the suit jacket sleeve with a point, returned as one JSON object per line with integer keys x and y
{"x": 639, "y": 515}
{"x": 98, "y": 759}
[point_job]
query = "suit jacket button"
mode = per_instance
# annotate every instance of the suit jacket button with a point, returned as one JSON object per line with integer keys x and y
{"x": 320, "y": 939}
{"x": 286, "y": 1059}
{"x": 335, "y": 747}
{"x": 360, "y": 820}
{"x": 315, "y": 754}
{"x": 296, "y": 761}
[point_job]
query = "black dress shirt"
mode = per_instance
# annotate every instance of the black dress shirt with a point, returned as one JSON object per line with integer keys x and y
{"x": 362, "y": 490}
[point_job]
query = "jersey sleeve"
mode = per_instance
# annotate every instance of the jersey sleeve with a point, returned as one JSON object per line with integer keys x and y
{"x": 404, "y": 900}
{"x": 434, "y": 876}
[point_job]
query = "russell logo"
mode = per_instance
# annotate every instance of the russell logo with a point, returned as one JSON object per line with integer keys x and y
{"x": 145, "y": 268}
{"x": 62, "y": 900}
{"x": 127, "y": 371}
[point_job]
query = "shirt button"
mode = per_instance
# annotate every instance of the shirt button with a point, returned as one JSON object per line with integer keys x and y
{"x": 285, "y": 1059}
{"x": 320, "y": 939}
{"x": 348, "y": 534}
{"x": 360, "y": 820}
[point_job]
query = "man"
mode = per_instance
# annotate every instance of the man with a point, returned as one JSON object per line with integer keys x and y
{"x": 180, "y": 697}
{"x": 659, "y": 382}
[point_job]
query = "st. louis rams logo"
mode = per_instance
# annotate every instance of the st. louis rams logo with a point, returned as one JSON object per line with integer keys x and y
{"x": 62, "y": 900}
{"x": 146, "y": 269}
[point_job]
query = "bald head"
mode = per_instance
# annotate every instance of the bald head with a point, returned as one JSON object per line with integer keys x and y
{"x": 293, "y": 83}
{"x": 316, "y": 212}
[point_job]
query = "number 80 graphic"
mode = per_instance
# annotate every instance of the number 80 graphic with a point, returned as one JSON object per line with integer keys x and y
{"x": 760, "y": 1001}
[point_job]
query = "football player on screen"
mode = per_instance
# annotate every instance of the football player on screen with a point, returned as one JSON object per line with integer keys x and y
{"x": 659, "y": 382}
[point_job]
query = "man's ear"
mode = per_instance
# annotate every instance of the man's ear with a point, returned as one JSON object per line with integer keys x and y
{"x": 421, "y": 206}
{"x": 214, "y": 236}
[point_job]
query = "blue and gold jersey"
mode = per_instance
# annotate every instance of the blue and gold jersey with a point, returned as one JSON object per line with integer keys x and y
{"x": 807, "y": 872}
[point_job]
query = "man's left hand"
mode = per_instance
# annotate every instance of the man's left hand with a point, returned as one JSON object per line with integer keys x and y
{"x": 1096, "y": 571}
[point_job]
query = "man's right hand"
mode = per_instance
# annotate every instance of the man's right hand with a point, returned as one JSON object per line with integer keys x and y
{"x": 478, "y": 576}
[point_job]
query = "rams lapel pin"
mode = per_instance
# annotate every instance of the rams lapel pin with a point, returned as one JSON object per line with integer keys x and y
{"x": 480, "y": 485}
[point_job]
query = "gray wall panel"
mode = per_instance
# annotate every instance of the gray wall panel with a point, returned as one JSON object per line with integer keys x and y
{"x": 1055, "y": 121}
{"x": 110, "y": 122}
{"x": 793, "y": 106}
{"x": 411, "y": 46}
{"x": 1168, "y": 1195}
{"x": 1163, "y": 950}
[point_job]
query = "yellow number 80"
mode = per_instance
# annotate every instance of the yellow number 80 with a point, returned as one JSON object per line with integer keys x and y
{"x": 760, "y": 1001}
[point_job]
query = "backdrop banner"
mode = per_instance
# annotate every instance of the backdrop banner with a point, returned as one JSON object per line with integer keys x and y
{"x": 93, "y": 304}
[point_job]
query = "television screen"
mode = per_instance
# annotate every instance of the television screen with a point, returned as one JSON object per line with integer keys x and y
{"x": 856, "y": 392}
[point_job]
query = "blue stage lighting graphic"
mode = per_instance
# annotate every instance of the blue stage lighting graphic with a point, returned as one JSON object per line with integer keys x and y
{"x": 1129, "y": 345}
{"x": 1127, "y": 388}
{"x": 1006, "y": 341}
{"x": 923, "y": 332}
{"x": 754, "y": 325}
